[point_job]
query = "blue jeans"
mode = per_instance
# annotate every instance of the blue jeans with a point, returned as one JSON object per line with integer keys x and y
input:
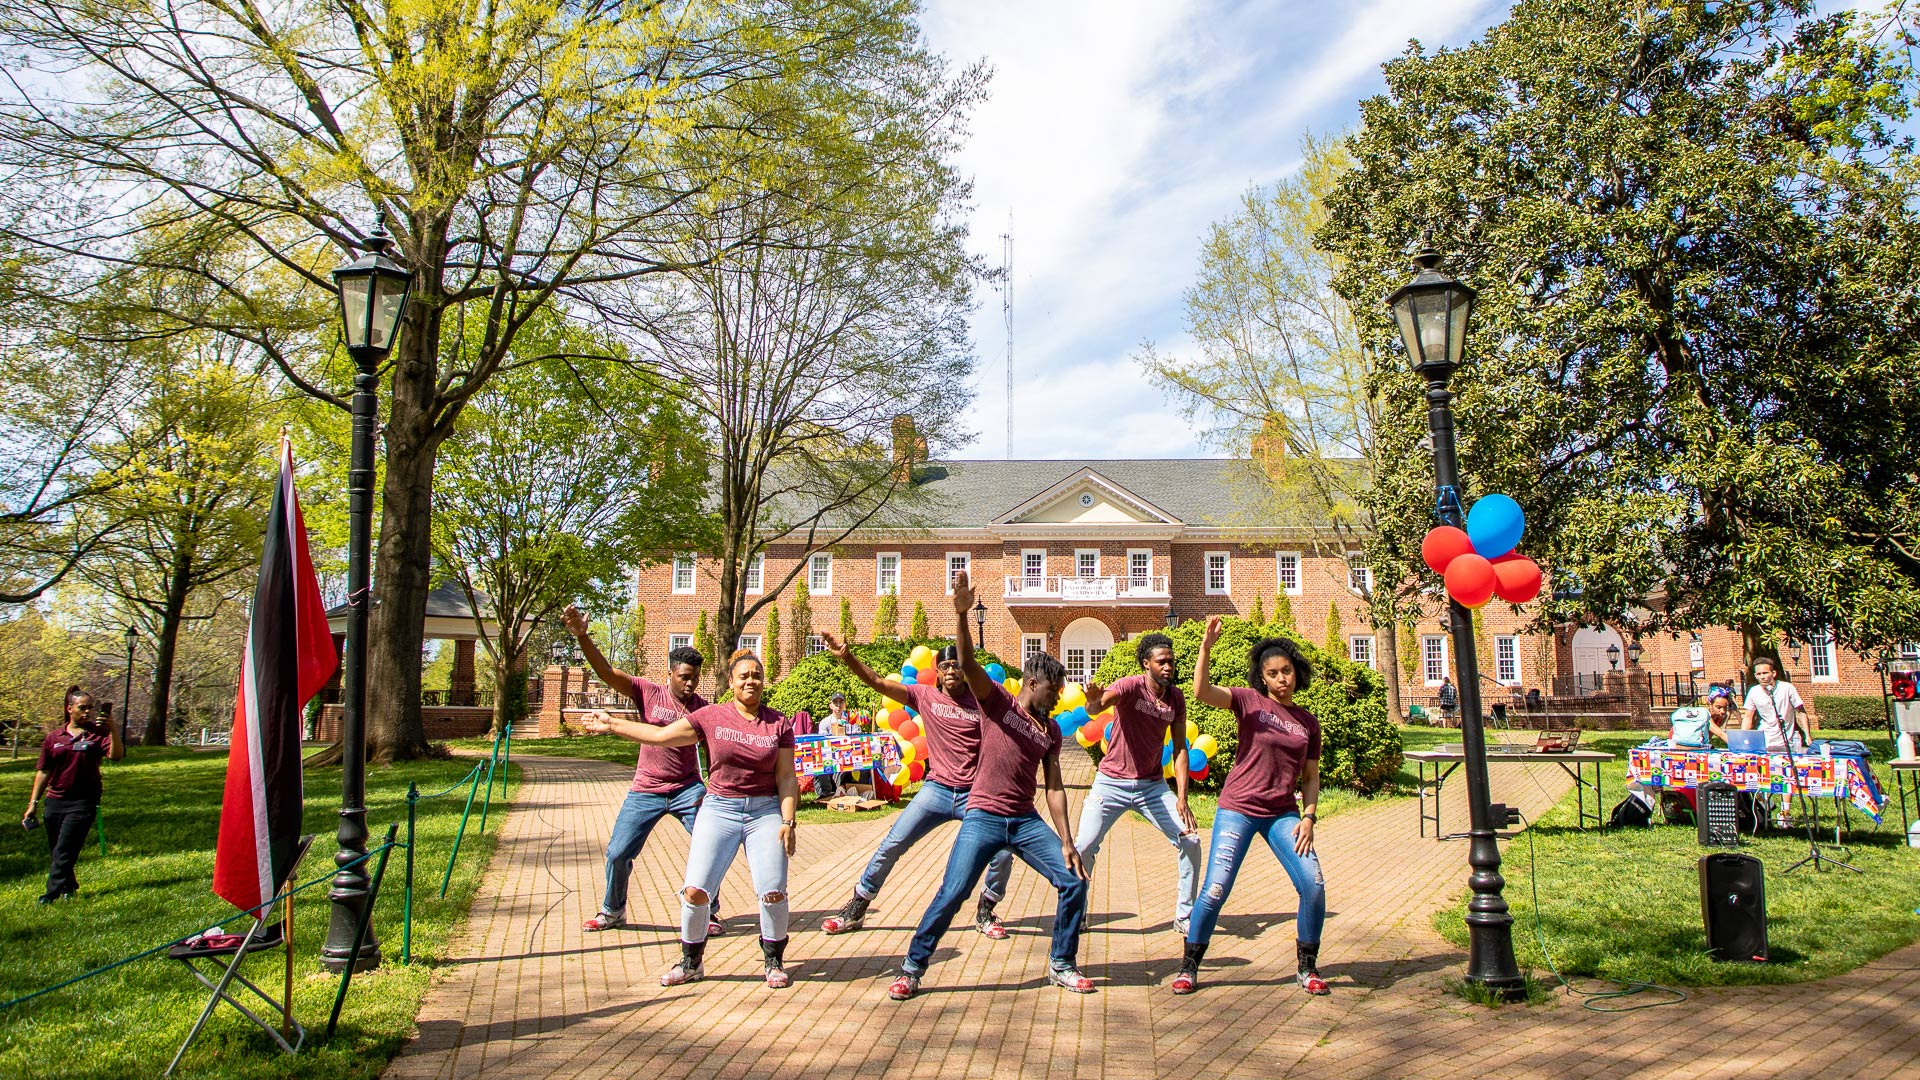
{"x": 1109, "y": 800}
{"x": 937, "y": 803}
{"x": 1233, "y": 834}
{"x": 983, "y": 835}
{"x": 722, "y": 828}
{"x": 638, "y": 815}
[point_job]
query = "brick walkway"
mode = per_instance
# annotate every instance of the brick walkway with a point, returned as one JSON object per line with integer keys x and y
{"x": 530, "y": 995}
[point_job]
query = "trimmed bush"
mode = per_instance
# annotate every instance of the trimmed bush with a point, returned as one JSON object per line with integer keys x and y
{"x": 1360, "y": 747}
{"x": 1851, "y": 712}
{"x": 811, "y": 683}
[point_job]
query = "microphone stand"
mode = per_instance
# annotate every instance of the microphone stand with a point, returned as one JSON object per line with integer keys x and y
{"x": 1814, "y": 854}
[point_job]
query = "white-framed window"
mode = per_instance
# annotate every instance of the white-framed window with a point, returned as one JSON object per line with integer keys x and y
{"x": 1031, "y": 645}
{"x": 1033, "y": 567}
{"x": 886, "y": 573}
{"x": 1218, "y": 579}
{"x": 816, "y": 644}
{"x": 1082, "y": 663}
{"x": 1086, "y": 562}
{"x": 751, "y": 643}
{"x": 1359, "y": 578}
{"x": 756, "y": 572}
{"x": 958, "y": 562}
{"x": 1433, "y": 658}
{"x": 1506, "y": 660}
{"x": 1140, "y": 569}
{"x": 1286, "y": 572}
{"x": 820, "y": 573}
{"x": 678, "y": 641}
{"x": 1910, "y": 650}
{"x": 683, "y": 575}
{"x": 1360, "y": 649}
{"x": 1822, "y": 665}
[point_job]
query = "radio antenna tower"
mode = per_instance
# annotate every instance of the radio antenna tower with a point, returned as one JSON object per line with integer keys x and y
{"x": 1006, "y": 317}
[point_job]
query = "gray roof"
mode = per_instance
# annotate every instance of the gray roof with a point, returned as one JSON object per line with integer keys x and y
{"x": 1197, "y": 491}
{"x": 446, "y": 601}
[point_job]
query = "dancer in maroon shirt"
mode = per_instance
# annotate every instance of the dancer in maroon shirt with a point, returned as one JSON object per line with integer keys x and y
{"x": 666, "y": 780}
{"x": 1015, "y": 739}
{"x": 69, "y": 775}
{"x": 752, "y": 795}
{"x": 1278, "y": 755}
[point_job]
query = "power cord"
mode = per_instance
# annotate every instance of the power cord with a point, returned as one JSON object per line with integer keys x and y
{"x": 1591, "y": 998}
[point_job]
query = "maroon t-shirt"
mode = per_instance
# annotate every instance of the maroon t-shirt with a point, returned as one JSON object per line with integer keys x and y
{"x": 741, "y": 753}
{"x": 952, "y": 725}
{"x": 663, "y": 770}
{"x": 1012, "y": 746}
{"x": 72, "y": 763}
{"x": 1276, "y": 742}
{"x": 1140, "y": 723}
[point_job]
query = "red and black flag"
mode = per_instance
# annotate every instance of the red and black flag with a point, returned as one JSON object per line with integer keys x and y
{"x": 288, "y": 657}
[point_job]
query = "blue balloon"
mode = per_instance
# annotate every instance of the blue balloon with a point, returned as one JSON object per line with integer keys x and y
{"x": 1166, "y": 756}
{"x": 1494, "y": 525}
{"x": 1077, "y": 715}
{"x": 1107, "y": 732}
{"x": 1195, "y": 760}
{"x": 913, "y": 712}
{"x": 909, "y": 672}
{"x": 997, "y": 673}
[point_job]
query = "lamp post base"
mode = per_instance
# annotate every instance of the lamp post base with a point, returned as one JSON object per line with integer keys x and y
{"x": 338, "y": 953}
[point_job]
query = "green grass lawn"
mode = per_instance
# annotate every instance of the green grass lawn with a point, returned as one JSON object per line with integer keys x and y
{"x": 162, "y": 812}
{"x": 1625, "y": 904}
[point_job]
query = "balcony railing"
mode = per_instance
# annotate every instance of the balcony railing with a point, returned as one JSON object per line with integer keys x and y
{"x": 1087, "y": 589}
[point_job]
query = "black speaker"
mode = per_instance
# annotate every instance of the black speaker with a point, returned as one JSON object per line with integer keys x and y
{"x": 1733, "y": 902}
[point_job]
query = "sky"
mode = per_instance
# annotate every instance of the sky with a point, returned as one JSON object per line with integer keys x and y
{"x": 1114, "y": 134}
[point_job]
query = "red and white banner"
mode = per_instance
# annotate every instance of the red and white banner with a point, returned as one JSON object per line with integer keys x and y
{"x": 289, "y": 656}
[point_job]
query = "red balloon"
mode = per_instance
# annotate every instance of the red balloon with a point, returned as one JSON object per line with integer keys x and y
{"x": 1470, "y": 580}
{"x": 920, "y": 747}
{"x": 915, "y": 771}
{"x": 906, "y": 729}
{"x": 1516, "y": 578}
{"x": 1442, "y": 545}
{"x": 1093, "y": 731}
{"x": 924, "y": 678}
{"x": 1200, "y": 774}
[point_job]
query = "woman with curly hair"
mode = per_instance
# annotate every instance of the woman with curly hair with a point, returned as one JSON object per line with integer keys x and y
{"x": 1271, "y": 793}
{"x": 752, "y": 794}
{"x": 69, "y": 776}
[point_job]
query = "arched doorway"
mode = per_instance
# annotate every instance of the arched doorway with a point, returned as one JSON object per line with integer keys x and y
{"x": 1589, "y": 649}
{"x": 1083, "y": 644}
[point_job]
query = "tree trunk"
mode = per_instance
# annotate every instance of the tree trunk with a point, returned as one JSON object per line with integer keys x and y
{"x": 164, "y": 646}
{"x": 403, "y": 556}
{"x": 1387, "y": 655}
{"x": 509, "y": 686}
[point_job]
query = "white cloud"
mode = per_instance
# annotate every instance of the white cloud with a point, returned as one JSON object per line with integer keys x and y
{"x": 1115, "y": 134}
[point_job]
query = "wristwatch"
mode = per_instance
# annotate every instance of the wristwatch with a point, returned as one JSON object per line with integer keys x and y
{"x": 789, "y": 822}
{"x": 1315, "y": 818}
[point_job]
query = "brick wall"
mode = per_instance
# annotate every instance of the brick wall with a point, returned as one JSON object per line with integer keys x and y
{"x": 441, "y": 721}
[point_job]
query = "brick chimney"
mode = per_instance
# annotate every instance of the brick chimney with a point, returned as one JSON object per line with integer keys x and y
{"x": 1269, "y": 444}
{"x": 908, "y": 448}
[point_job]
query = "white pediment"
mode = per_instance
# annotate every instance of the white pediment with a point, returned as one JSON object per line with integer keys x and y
{"x": 1086, "y": 498}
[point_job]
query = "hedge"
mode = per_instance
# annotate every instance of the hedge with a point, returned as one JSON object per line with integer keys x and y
{"x": 811, "y": 683}
{"x": 1851, "y": 712}
{"x": 1360, "y": 747}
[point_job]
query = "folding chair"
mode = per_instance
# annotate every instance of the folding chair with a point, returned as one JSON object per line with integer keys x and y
{"x": 217, "y": 967}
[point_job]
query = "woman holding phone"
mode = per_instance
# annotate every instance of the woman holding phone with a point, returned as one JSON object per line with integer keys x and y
{"x": 68, "y": 774}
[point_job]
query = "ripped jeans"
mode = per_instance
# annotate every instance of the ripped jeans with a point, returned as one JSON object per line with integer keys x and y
{"x": 723, "y": 826}
{"x": 1233, "y": 834}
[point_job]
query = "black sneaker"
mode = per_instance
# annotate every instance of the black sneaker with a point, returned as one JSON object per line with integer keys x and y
{"x": 985, "y": 921}
{"x": 849, "y": 917}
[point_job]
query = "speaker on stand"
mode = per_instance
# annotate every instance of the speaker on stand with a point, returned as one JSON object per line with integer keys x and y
{"x": 1733, "y": 903}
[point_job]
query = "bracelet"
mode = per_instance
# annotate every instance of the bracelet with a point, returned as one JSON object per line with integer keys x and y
{"x": 789, "y": 822}
{"x": 1312, "y": 817}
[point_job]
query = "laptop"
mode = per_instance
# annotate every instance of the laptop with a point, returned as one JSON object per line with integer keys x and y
{"x": 1743, "y": 741}
{"x": 1557, "y": 742}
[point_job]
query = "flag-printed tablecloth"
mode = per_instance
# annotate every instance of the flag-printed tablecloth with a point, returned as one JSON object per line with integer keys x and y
{"x": 1824, "y": 777}
{"x": 815, "y": 755}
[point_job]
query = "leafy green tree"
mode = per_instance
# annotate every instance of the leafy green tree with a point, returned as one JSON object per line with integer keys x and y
{"x": 886, "y": 617}
{"x": 1693, "y": 231}
{"x": 703, "y": 642}
{"x": 846, "y": 619}
{"x": 557, "y": 477}
{"x": 1259, "y": 616}
{"x": 1283, "y": 612}
{"x": 917, "y": 628}
{"x": 529, "y": 156}
{"x": 801, "y": 621}
{"x": 1336, "y": 635}
{"x": 770, "y": 643}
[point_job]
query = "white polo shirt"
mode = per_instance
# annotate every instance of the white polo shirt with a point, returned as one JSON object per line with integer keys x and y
{"x": 1774, "y": 713}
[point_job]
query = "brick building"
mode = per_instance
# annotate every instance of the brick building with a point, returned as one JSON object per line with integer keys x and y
{"x": 1075, "y": 557}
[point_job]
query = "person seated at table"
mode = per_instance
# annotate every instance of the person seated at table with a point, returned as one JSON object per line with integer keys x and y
{"x": 1696, "y": 726}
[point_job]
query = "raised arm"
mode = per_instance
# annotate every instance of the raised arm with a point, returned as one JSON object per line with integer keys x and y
{"x": 1204, "y": 691}
{"x": 843, "y": 652}
{"x": 977, "y": 680}
{"x": 678, "y": 733}
{"x": 576, "y": 622}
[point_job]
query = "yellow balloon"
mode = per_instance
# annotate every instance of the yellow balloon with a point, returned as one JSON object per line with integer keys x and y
{"x": 1167, "y": 771}
{"x": 1011, "y": 686}
{"x": 887, "y": 705}
{"x": 1081, "y": 739}
{"x": 1206, "y": 744}
{"x": 1167, "y": 739}
{"x": 906, "y": 752}
{"x": 1193, "y": 732}
{"x": 1072, "y": 697}
{"x": 884, "y": 721}
{"x": 921, "y": 658}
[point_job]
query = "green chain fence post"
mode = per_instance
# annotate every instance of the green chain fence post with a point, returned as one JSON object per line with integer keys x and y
{"x": 406, "y": 911}
{"x": 462, "y": 834}
{"x": 492, "y": 760}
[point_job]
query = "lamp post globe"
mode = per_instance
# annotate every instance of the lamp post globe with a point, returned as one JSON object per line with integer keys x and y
{"x": 1432, "y": 311}
{"x": 1173, "y": 618}
{"x": 1635, "y": 651}
{"x": 979, "y": 624}
{"x": 372, "y": 291}
{"x": 1613, "y": 657}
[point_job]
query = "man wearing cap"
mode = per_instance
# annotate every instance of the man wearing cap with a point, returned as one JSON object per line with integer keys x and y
{"x": 951, "y": 718}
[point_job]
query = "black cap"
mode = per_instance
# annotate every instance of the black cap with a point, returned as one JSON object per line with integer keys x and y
{"x": 951, "y": 652}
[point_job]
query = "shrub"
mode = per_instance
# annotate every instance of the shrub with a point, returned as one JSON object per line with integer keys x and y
{"x": 1360, "y": 747}
{"x": 1851, "y": 712}
{"x": 811, "y": 683}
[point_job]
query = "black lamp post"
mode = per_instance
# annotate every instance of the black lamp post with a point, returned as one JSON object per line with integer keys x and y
{"x": 1173, "y": 617}
{"x": 980, "y": 624}
{"x": 1635, "y": 651}
{"x": 126, "y": 694}
{"x": 373, "y": 294}
{"x": 1432, "y": 312}
{"x": 1613, "y": 657}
